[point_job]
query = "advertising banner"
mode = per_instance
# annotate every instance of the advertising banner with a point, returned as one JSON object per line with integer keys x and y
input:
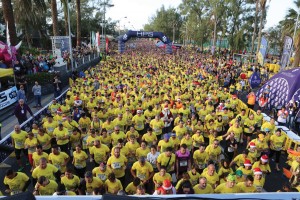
{"x": 287, "y": 48}
{"x": 262, "y": 51}
{"x": 8, "y": 97}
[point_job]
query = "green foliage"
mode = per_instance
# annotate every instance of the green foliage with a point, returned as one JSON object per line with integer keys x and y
{"x": 167, "y": 21}
{"x": 43, "y": 78}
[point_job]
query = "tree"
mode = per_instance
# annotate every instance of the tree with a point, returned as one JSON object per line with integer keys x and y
{"x": 255, "y": 26}
{"x": 29, "y": 15}
{"x": 167, "y": 21}
{"x": 288, "y": 25}
{"x": 54, "y": 17}
{"x": 78, "y": 20}
{"x": 262, "y": 4}
{"x": 10, "y": 20}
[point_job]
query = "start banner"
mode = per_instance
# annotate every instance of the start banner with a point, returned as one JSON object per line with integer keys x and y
{"x": 8, "y": 97}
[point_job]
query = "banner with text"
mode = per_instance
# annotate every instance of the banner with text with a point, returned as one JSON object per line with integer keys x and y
{"x": 8, "y": 97}
{"x": 262, "y": 51}
{"x": 287, "y": 48}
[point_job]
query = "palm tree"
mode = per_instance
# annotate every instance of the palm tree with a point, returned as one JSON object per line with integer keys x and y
{"x": 54, "y": 17}
{"x": 65, "y": 7}
{"x": 261, "y": 21}
{"x": 29, "y": 16}
{"x": 78, "y": 19}
{"x": 255, "y": 25}
{"x": 10, "y": 20}
{"x": 288, "y": 25}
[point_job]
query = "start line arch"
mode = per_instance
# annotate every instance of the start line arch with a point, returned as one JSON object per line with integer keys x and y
{"x": 143, "y": 34}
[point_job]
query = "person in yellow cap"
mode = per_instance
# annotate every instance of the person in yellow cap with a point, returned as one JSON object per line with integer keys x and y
{"x": 229, "y": 186}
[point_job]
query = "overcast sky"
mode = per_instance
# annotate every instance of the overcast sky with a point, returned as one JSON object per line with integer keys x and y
{"x": 139, "y": 11}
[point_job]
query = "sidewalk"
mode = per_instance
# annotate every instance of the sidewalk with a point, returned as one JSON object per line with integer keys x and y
{"x": 10, "y": 120}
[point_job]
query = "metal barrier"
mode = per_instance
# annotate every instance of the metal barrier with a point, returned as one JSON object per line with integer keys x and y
{"x": 37, "y": 117}
{"x": 253, "y": 196}
{"x": 6, "y": 147}
{"x": 292, "y": 141}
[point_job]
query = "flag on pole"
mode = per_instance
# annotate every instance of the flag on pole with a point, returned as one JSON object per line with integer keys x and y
{"x": 106, "y": 46}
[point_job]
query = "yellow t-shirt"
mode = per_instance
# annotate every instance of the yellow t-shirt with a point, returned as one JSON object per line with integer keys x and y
{"x": 194, "y": 178}
{"x": 244, "y": 189}
{"x": 59, "y": 134}
{"x": 19, "y": 139}
{"x": 157, "y": 126}
{"x": 115, "y": 137}
{"x": 117, "y": 165}
{"x": 212, "y": 180}
{"x": 207, "y": 190}
{"x": 200, "y": 158}
{"x": 30, "y": 144}
{"x": 163, "y": 160}
{"x": 101, "y": 174}
{"x": 180, "y": 131}
{"x": 138, "y": 122}
{"x": 43, "y": 140}
{"x": 113, "y": 187}
{"x": 197, "y": 139}
{"x": 163, "y": 145}
{"x": 130, "y": 189}
{"x": 277, "y": 142}
{"x": 96, "y": 183}
{"x": 100, "y": 153}
{"x": 17, "y": 183}
{"x": 80, "y": 159}
{"x": 223, "y": 189}
{"x": 48, "y": 172}
{"x": 49, "y": 189}
{"x": 142, "y": 172}
{"x": 36, "y": 158}
{"x": 50, "y": 127}
{"x": 72, "y": 183}
{"x": 160, "y": 179}
{"x": 59, "y": 160}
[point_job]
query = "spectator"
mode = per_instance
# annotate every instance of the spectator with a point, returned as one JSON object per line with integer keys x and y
{"x": 57, "y": 87}
{"x": 282, "y": 116}
{"x": 21, "y": 93}
{"x": 37, "y": 92}
{"x": 251, "y": 100}
{"x": 21, "y": 111}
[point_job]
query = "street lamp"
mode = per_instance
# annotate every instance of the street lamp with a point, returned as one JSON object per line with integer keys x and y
{"x": 104, "y": 4}
{"x": 70, "y": 36}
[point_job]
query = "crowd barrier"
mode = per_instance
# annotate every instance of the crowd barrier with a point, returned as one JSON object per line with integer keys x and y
{"x": 292, "y": 139}
{"x": 6, "y": 147}
{"x": 252, "y": 196}
{"x": 37, "y": 117}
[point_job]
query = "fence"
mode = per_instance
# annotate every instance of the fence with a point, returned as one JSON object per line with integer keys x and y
{"x": 292, "y": 139}
{"x": 5, "y": 144}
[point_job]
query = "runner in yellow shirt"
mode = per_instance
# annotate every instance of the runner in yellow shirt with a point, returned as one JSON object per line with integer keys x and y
{"x": 203, "y": 187}
{"x": 277, "y": 141}
{"x": 15, "y": 182}
{"x": 18, "y": 140}
{"x": 58, "y": 159}
{"x": 229, "y": 186}
{"x": 247, "y": 186}
{"x": 112, "y": 184}
{"x": 70, "y": 181}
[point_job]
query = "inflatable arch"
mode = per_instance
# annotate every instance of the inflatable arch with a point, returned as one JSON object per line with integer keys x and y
{"x": 142, "y": 34}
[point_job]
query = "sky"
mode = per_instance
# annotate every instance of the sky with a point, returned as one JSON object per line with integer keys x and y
{"x": 138, "y": 12}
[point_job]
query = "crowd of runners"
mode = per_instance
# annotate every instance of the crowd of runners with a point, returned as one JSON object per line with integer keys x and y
{"x": 144, "y": 122}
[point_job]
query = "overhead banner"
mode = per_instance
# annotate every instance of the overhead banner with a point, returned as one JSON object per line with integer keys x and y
{"x": 254, "y": 80}
{"x": 287, "y": 48}
{"x": 8, "y": 97}
{"x": 60, "y": 44}
{"x": 262, "y": 51}
{"x": 144, "y": 34}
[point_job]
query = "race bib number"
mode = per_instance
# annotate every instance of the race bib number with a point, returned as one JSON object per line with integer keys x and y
{"x": 79, "y": 166}
{"x": 219, "y": 129}
{"x": 58, "y": 166}
{"x": 230, "y": 149}
{"x": 50, "y": 129}
{"x": 116, "y": 165}
{"x": 183, "y": 163}
{"x": 202, "y": 166}
{"x": 141, "y": 176}
{"x": 259, "y": 188}
{"x": 139, "y": 126}
{"x": 19, "y": 143}
{"x": 102, "y": 177}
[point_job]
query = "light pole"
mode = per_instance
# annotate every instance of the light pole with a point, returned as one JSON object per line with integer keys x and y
{"x": 70, "y": 36}
{"x": 294, "y": 35}
{"x": 104, "y": 4}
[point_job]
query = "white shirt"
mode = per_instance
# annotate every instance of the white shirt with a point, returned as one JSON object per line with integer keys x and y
{"x": 152, "y": 158}
{"x": 282, "y": 116}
